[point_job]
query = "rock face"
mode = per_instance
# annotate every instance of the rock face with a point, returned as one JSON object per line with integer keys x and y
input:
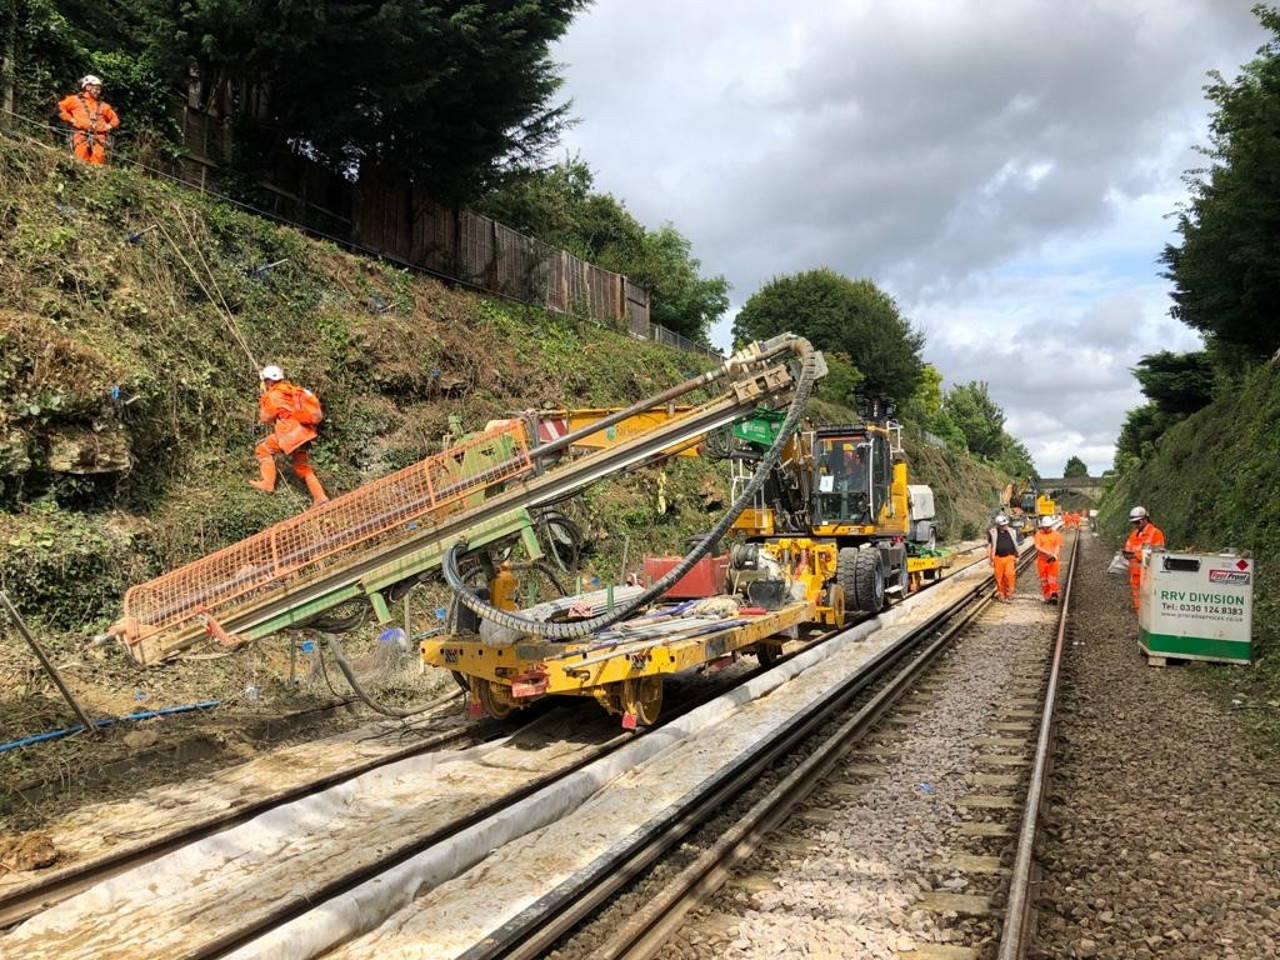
{"x": 14, "y": 456}
{"x": 86, "y": 450}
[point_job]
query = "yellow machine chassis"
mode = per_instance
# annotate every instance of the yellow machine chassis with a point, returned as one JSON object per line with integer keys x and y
{"x": 505, "y": 677}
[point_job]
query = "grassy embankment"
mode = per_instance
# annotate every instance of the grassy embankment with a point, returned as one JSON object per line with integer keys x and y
{"x": 128, "y": 412}
{"x": 1211, "y": 485}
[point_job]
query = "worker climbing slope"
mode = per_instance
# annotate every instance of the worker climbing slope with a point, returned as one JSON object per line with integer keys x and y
{"x": 1002, "y": 551}
{"x": 91, "y": 119}
{"x": 294, "y": 412}
{"x": 1048, "y": 544}
{"x": 1144, "y": 534}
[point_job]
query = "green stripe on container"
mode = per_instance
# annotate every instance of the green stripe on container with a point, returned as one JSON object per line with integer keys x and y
{"x": 1175, "y": 645}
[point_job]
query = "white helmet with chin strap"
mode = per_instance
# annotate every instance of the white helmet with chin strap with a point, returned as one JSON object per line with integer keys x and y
{"x": 271, "y": 372}
{"x": 1001, "y": 520}
{"x": 1137, "y": 513}
{"x": 89, "y": 80}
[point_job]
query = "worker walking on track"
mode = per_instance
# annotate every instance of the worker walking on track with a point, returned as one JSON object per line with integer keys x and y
{"x": 294, "y": 413}
{"x": 1002, "y": 551}
{"x": 1048, "y": 544}
{"x": 1144, "y": 534}
{"x": 91, "y": 119}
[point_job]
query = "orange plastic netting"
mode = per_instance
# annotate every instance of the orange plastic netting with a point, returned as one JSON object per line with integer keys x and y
{"x": 395, "y": 508}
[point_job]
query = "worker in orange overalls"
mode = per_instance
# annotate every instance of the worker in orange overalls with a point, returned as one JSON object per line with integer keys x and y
{"x": 1002, "y": 551}
{"x": 1048, "y": 544}
{"x": 294, "y": 413}
{"x": 91, "y": 120}
{"x": 1144, "y": 534}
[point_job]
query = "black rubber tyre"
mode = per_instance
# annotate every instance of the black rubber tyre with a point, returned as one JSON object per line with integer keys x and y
{"x": 862, "y": 577}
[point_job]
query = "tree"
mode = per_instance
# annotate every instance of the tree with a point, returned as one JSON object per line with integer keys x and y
{"x": 852, "y": 317}
{"x": 1075, "y": 468}
{"x": 1142, "y": 427}
{"x": 978, "y": 417}
{"x": 1226, "y": 269}
{"x": 1177, "y": 383}
{"x": 1014, "y": 458}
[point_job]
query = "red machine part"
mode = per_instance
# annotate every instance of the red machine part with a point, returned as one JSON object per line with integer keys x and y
{"x": 706, "y": 579}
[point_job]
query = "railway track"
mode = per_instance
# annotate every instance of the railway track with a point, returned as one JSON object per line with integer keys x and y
{"x": 761, "y": 881}
{"x": 249, "y": 890}
{"x": 32, "y": 900}
{"x": 59, "y": 884}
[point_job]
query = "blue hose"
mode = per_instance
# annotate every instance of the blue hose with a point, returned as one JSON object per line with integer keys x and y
{"x": 141, "y": 715}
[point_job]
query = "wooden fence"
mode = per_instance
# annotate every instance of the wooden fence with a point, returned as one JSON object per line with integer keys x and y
{"x": 386, "y": 214}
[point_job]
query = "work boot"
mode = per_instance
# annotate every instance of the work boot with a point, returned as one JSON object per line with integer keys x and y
{"x": 267, "y": 465}
{"x": 316, "y": 489}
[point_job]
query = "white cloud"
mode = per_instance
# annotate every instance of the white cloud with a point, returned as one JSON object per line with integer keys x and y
{"x": 1003, "y": 169}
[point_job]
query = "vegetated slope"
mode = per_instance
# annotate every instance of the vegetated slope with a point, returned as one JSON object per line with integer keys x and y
{"x": 128, "y": 409}
{"x": 1211, "y": 485}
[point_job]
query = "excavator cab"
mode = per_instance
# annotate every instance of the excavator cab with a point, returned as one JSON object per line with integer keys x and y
{"x": 847, "y": 488}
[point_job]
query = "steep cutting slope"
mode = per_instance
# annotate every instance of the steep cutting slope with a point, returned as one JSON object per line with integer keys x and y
{"x": 128, "y": 406}
{"x": 1211, "y": 485}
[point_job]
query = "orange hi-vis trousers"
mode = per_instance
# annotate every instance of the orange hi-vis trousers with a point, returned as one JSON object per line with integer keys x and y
{"x": 1006, "y": 575}
{"x": 1048, "y": 568}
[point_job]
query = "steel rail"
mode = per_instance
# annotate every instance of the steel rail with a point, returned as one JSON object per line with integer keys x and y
{"x": 1015, "y": 936}
{"x": 537, "y": 928}
{"x": 26, "y": 902}
{"x": 301, "y": 903}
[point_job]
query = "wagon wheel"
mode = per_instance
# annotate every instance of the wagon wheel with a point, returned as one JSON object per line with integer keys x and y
{"x": 494, "y": 698}
{"x": 642, "y": 698}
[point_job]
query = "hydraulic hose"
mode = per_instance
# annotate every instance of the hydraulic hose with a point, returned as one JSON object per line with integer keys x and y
{"x": 570, "y": 631}
{"x": 372, "y": 704}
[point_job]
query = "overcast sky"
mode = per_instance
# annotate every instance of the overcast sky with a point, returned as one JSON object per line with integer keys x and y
{"x": 1004, "y": 169}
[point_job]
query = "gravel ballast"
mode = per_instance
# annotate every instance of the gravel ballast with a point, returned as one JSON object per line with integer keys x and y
{"x": 1162, "y": 836}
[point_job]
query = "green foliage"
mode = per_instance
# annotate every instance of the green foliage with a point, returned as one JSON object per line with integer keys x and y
{"x": 57, "y": 43}
{"x": 1209, "y": 486}
{"x": 851, "y": 317}
{"x": 1177, "y": 383}
{"x": 560, "y": 207}
{"x": 1075, "y": 468}
{"x": 449, "y": 92}
{"x": 1226, "y": 269}
{"x": 969, "y": 411}
{"x": 978, "y": 417}
{"x": 840, "y": 385}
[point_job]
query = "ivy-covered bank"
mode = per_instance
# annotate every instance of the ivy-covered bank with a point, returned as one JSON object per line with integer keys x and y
{"x": 1210, "y": 484}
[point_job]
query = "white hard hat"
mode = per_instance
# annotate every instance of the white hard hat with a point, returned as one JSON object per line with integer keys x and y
{"x": 1001, "y": 519}
{"x": 1137, "y": 513}
{"x": 272, "y": 372}
{"x": 1046, "y": 521}
{"x": 89, "y": 80}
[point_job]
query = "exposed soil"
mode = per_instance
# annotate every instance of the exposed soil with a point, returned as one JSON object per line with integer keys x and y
{"x": 1162, "y": 833}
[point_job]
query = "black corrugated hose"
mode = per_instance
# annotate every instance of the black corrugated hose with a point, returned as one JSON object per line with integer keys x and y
{"x": 582, "y": 628}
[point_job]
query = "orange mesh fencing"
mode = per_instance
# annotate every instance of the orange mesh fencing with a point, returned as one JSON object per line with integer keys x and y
{"x": 387, "y": 511}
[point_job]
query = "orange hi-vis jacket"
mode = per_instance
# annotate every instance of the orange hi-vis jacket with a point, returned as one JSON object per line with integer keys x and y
{"x": 1148, "y": 536}
{"x": 1048, "y": 541}
{"x": 294, "y": 411}
{"x": 85, "y": 113}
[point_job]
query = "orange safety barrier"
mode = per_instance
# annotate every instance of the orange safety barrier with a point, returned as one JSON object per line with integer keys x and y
{"x": 384, "y": 512}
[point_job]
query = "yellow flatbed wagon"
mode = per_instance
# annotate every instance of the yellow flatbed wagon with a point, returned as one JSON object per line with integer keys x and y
{"x": 622, "y": 668}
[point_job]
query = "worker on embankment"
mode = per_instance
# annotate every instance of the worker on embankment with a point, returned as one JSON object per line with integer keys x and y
{"x": 294, "y": 413}
{"x": 1048, "y": 544}
{"x": 1144, "y": 534}
{"x": 1002, "y": 551}
{"x": 91, "y": 119}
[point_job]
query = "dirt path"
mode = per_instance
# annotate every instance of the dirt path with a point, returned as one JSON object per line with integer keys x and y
{"x": 1163, "y": 840}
